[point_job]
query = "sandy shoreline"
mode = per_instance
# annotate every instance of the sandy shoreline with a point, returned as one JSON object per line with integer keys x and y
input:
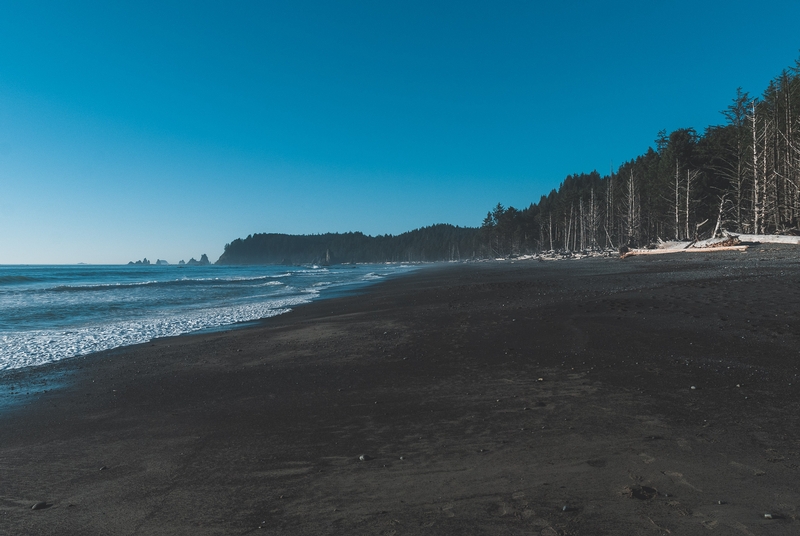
{"x": 259, "y": 430}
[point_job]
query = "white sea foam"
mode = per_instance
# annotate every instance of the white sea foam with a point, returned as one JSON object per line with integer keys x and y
{"x": 182, "y": 280}
{"x": 51, "y": 313}
{"x": 33, "y": 348}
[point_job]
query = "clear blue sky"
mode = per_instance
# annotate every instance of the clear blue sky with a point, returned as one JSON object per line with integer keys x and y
{"x": 166, "y": 129}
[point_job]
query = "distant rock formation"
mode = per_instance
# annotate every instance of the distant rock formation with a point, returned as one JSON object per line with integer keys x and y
{"x": 202, "y": 262}
{"x": 161, "y": 262}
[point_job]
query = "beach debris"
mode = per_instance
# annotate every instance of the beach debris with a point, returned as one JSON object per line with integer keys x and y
{"x": 769, "y": 516}
{"x": 768, "y": 239}
{"x": 364, "y": 458}
{"x": 41, "y": 505}
{"x": 728, "y": 243}
{"x": 104, "y": 468}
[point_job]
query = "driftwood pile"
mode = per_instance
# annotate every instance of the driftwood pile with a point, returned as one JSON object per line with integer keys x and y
{"x": 731, "y": 243}
{"x": 728, "y": 242}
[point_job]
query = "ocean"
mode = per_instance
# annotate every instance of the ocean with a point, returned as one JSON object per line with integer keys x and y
{"x": 49, "y": 313}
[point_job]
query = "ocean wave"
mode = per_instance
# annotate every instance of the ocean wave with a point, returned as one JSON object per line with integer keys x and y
{"x": 53, "y": 313}
{"x": 13, "y": 279}
{"x": 34, "y": 348}
{"x": 157, "y": 283}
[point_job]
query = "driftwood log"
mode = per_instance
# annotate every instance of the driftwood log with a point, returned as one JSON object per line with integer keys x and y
{"x": 636, "y": 252}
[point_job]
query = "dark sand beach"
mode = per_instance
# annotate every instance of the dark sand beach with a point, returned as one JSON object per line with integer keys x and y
{"x": 602, "y": 396}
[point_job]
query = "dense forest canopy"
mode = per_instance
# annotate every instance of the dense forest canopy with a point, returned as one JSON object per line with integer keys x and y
{"x": 440, "y": 242}
{"x": 742, "y": 176}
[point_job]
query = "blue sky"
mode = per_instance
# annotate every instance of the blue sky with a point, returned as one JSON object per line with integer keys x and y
{"x": 166, "y": 129}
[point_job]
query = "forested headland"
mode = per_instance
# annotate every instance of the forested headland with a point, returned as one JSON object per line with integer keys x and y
{"x": 440, "y": 242}
{"x": 742, "y": 176}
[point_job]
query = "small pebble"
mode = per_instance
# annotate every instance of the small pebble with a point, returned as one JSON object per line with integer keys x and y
{"x": 364, "y": 458}
{"x": 767, "y": 516}
{"x": 693, "y": 387}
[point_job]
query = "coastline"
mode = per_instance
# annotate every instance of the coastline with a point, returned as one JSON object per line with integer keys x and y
{"x": 53, "y": 313}
{"x": 261, "y": 428}
{"x": 19, "y": 386}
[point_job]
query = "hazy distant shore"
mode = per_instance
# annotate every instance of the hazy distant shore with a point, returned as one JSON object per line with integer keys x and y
{"x": 604, "y": 396}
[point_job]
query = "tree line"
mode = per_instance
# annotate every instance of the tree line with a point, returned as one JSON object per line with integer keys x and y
{"x": 742, "y": 176}
{"x": 441, "y": 242}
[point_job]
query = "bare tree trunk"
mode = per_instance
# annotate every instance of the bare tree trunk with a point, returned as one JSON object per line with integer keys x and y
{"x": 593, "y": 222}
{"x": 632, "y": 211}
{"x": 756, "y": 181}
{"x": 569, "y": 228}
{"x": 582, "y": 224}
{"x": 719, "y": 216}
{"x": 610, "y": 208}
{"x": 690, "y": 178}
{"x": 677, "y": 201}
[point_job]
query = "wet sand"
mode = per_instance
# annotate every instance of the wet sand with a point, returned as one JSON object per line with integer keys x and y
{"x": 602, "y": 396}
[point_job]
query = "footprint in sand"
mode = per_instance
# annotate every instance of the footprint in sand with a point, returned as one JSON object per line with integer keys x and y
{"x": 646, "y": 458}
{"x": 747, "y": 468}
{"x": 678, "y": 478}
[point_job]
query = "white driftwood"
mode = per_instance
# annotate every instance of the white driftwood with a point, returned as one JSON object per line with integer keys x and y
{"x": 637, "y": 252}
{"x": 769, "y": 239}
